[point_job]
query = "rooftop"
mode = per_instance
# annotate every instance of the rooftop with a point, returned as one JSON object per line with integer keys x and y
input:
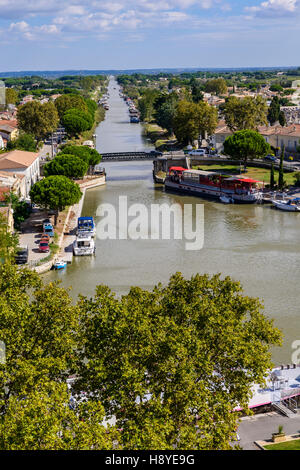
{"x": 17, "y": 159}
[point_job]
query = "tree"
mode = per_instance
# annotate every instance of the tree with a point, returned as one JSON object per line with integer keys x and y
{"x": 194, "y": 119}
{"x": 23, "y": 142}
{"x": 65, "y": 102}
{"x": 272, "y": 177}
{"x": 246, "y": 113}
{"x": 39, "y": 326}
{"x": 90, "y": 156}
{"x": 282, "y": 119}
{"x": 197, "y": 90}
{"x": 38, "y": 119}
{"x": 66, "y": 165}
{"x": 171, "y": 365}
{"x": 216, "y": 85}
{"x": 274, "y": 111}
{"x": 146, "y": 104}
{"x": 8, "y": 242}
{"x": 75, "y": 122}
{"x": 11, "y": 96}
{"x": 246, "y": 145}
{"x": 55, "y": 192}
{"x": 166, "y": 111}
{"x": 281, "y": 181}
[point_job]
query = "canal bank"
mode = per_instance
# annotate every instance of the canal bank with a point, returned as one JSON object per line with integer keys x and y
{"x": 255, "y": 245}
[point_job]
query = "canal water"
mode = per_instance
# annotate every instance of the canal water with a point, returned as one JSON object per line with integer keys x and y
{"x": 254, "y": 244}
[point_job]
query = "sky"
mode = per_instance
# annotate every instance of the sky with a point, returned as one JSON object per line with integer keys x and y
{"x": 128, "y": 34}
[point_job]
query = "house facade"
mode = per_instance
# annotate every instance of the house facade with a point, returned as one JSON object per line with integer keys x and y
{"x": 26, "y": 164}
{"x": 277, "y": 136}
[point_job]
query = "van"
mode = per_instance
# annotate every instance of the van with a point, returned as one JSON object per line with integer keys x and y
{"x": 21, "y": 255}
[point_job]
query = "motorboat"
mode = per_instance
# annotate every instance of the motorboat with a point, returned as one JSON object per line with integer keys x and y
{"x": 84, "y": 245}
{"x": 86, "y": 225}
{"x": 290, "y": 205}
{"x": 60, "y": 264}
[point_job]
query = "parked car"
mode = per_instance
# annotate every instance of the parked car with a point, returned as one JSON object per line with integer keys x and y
{"x": 21, "y": 255}
{"x": 271, "y": 158}
{"x": 48, "y": 229}
{"x": 44, "y": 247}
{"x": 197, "y": 152}
{"x": 45, "y": 237}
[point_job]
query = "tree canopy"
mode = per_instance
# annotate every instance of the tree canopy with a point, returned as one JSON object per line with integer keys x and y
{"x": 76, "y": 121}
{"x": 193, "y": 120}
{"x": 66, "y": 165}
{"x": 246, "y": 145}
{"x": 55, "y": 192}
{"x": 90, "y": 156}
{"x": 172, "y": 364}
{"x": 169, "y": 365}
{"x": 245, "y": 113}
{"x": 38, "y": 119}
{"x": 65, "y": 102}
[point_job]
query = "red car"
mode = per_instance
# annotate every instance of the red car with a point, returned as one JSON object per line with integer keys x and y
{"x": 44, "y": 247}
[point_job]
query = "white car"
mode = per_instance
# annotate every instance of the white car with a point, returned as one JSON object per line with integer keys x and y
{"x": 197, "y": 153}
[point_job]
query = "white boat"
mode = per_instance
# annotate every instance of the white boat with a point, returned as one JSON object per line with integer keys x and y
{"x": 84, "y": 245}
{"x": 290, "y": 205}
{"x": 60, "y": 264}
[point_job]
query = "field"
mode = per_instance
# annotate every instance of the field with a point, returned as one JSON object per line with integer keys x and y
{"x": 260, "y": 174}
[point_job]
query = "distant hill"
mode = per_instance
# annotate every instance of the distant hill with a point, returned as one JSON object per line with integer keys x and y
{"x": 60, "y": 73}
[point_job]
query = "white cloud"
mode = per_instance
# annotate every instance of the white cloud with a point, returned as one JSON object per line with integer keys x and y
{"x": 275, "y": 7}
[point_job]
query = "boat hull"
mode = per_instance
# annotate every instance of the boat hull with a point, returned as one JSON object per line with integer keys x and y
{"x": 207, "y": 193}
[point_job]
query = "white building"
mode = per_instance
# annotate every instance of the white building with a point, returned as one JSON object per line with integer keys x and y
{"x": 24, "y": 163}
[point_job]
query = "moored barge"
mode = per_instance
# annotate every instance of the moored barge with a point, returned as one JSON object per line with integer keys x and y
{"x": 212, "y": 185}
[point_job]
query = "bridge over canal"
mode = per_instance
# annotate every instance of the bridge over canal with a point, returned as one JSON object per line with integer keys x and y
{"x": 127, "y": 156}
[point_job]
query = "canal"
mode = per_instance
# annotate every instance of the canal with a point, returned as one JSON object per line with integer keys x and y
{"x": 254, "y": 244}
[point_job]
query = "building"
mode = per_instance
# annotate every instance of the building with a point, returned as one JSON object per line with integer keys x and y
{"x": 9, "y": 129}
{"x": 19, "y": 162}
{"x": 277, "y": 136}
{"x": 15, "y": 183}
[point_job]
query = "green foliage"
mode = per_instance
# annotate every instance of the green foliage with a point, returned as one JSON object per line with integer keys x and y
{"x": 166, "y": 112}
{"x": 55, "y": 192}
{"x": 90, "y": 156}
{"x": 23, "y": 142}
{"x": 146, "y": 104}
{"x": 66, "y": 102}
{"x": 217, "y": 86}
{"x": 197, "y": 91}
{"x": 39, "y": 326}
{"x": 245, "y": 145}
{"x": 246, "y": 113}
{"x": 76, "y": 121}
{"x": 8, "y": 244}
{"x": 274, "y": 111}
{"x": 38, "y": 119}
{"x": 193, "y": 120}
{"x": 20, "y": 208}
{"x": 171, "y": 365}
{"x": 66, "y": 165}
{"x": 297, "y": 178}
{"x": 11, "y": 96}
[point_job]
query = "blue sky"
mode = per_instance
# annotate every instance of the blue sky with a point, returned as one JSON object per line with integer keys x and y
{"x": 124, "y": 34}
